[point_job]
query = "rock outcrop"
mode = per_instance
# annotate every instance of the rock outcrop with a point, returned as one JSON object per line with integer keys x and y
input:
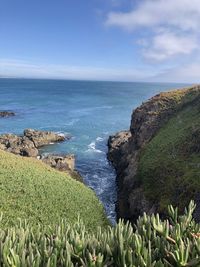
{"x": 19, "y": 145}
{"x": 28, "y": 144}
{"x": 6, "y": 114}
{"x": 43, "y": 138}
{"x": 125, "y": 148}
{"x": 115, "y": 144}
{"x": 59, "y": 162}
{"x": 64, "y": 163}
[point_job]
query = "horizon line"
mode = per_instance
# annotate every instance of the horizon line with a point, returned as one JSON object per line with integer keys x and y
{"x": 93, "y": 80}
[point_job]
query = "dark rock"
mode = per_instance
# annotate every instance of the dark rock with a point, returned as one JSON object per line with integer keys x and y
{"x": 75, "y": 175}
{"x": 6, "y": 114}
{"x": 125, "y": 148}
{"x": 114, "y": 145}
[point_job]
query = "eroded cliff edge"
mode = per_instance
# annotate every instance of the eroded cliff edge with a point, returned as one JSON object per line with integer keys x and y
{"x": 158, "y": 160}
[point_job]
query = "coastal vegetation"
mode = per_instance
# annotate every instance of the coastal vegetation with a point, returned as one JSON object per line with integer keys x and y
{"x": 157, "y": 164}
{"x": 173, "y": 242}
{"x": 31, "y": 189}
{"x": 157, "y": 161}
{"x": 171, "y": 160}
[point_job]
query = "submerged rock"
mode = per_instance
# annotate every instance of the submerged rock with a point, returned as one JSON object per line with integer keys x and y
{"x": 6, "y": 114}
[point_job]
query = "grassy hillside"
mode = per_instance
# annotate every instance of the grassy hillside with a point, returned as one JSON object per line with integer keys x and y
{"x": 32, "y": 190}
{"x": 169, "y": 166}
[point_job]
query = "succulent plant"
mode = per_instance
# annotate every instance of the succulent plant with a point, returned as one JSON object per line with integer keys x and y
{"x": 151, "y": 242}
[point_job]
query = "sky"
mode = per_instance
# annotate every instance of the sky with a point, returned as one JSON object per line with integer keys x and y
{"x": 118, "y": 40}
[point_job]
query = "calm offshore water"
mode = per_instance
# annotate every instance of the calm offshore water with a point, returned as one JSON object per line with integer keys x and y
{"x": 88, "y": 111}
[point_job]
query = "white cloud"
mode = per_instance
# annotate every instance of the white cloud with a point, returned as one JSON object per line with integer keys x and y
{"x": 184, "y": 14}
{"x": 167, "y": 45}
{"x": 179, "y": 21}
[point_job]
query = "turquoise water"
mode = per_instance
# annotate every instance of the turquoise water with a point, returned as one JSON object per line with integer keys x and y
{"x": 88, "y": 111}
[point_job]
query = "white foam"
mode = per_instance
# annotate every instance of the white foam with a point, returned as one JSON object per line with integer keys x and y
{"x": 61, "y": 134}
{"x": 92, "y": 145}
{"x": 104, "y": 107}
{"x": 72, "y": 122}
{"x": 99, "y": 139}
{"x": 92, "y": 148}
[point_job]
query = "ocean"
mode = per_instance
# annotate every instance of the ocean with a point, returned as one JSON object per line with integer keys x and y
{"x": 88, "y": 111}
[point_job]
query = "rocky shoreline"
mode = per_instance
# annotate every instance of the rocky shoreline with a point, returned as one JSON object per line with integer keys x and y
{"x": 124, "y": 148}
{"x": 28, "y": 145}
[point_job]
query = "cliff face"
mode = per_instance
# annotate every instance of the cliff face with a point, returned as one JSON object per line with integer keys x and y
{"x": 140, "y": 154}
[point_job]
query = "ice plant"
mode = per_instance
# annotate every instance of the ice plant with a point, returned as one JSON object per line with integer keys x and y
{"x": 151, "y": 242}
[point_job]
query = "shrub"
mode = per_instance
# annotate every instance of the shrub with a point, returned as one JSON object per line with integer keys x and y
{"x": 152, "y": 242}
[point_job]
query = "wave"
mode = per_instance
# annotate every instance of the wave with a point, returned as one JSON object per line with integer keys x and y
{"x": 99, "y": 139}
{"x": 72, "y": 122}
{"x": 88, "y": 110}
{"x": 104, "y": 107}
{"x": 92, "y": 148}
{"x": 63, "y": 134}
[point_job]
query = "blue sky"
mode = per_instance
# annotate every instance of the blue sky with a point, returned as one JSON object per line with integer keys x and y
{"x": 128, "y": 40}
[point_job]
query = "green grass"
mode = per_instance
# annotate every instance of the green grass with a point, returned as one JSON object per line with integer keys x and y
{"x": 32, "y": 190}
{"x": 169, "y": 166}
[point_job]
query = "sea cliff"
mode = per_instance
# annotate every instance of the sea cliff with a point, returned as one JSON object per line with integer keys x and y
{"x": 157, "y": 161}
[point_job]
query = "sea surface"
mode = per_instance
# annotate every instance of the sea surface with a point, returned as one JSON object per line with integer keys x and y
{"x": 88, "y": 111}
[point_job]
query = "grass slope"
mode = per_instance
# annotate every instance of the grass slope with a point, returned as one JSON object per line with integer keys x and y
{"x": 32, "y": 190}
{"x": 169, "y": 166}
